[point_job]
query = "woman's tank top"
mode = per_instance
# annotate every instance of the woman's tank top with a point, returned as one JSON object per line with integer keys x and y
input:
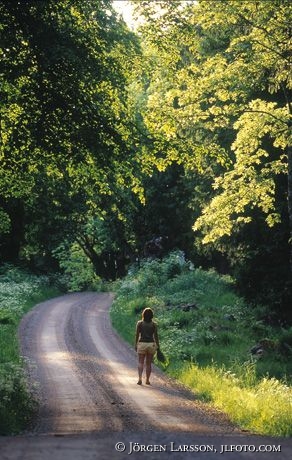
{"x": 146, "y": 330}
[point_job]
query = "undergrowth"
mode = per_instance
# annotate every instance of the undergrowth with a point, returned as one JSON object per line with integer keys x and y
{"x": 207, "y": 333}
{"x": 19, "y": 292}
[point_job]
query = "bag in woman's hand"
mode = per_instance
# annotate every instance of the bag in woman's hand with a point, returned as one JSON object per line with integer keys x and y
{"x": 160, "y": 356}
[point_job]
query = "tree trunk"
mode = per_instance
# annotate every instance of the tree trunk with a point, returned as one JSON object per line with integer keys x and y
{"x": 12, "y": 242}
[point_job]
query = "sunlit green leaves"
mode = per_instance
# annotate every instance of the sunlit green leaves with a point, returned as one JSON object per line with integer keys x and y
{"x": 239, "y": 50}
{"x": 250, "y": 183}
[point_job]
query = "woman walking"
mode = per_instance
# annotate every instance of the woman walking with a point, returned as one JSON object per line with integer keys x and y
{"x": 146, "y": 343}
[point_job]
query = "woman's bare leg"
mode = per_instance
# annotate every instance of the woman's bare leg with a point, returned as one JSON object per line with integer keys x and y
{"x": 141, "y": 358}
{"x": 149, "y": 358}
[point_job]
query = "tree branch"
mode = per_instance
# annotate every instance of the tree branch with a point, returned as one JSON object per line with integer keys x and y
{"x": 266, "y": 113}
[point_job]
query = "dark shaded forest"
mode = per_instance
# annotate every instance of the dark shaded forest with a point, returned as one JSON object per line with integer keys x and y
{"x": 120, "y": 145}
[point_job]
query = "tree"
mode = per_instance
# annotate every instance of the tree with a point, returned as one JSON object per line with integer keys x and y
{"x": 258, "y": 50}
{"x": 64, "y": 135}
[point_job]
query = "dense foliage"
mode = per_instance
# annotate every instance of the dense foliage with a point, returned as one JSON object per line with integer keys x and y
{"x": 65, "y": 157}
{"x": 112, "y": 138}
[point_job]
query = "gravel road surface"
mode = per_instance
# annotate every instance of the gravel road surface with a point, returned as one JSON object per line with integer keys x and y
{"x": 90, "y": 406}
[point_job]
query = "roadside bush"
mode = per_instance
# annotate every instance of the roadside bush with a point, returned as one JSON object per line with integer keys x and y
{"x": 285, "y": 342}
{"x": 16, "y": 404}
{"x": 78, "y": 272}
{"x": 19, "y": 291}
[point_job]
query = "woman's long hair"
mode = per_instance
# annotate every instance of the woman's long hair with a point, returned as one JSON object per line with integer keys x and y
{"x": 147, "y": 315}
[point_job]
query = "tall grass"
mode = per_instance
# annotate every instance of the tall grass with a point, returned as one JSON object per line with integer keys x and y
{"x": 265, "y": 407}
{"x": 19, "y": 291}
{"x": 207, "y": 332}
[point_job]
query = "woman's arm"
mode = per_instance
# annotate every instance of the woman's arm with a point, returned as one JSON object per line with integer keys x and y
{"x": 156, "y": 336}
{"x": 137, "y": 334}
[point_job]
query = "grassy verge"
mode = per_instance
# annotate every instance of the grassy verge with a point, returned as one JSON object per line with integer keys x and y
{"x": 19, "y": 292}
{"x": 207, "y": 333}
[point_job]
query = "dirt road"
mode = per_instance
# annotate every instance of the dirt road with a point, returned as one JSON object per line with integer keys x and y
{"x": 85, "y": 378}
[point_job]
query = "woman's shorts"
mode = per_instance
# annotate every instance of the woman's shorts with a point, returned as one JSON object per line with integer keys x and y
{"x": 146, "y": 347}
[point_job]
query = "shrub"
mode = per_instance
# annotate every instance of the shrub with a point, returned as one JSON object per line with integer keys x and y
{"x": 16, "y": 404}
{"x": 19, "y": 291}
{"x": 78, "y": 271}
{"x": 285, "y": 342}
